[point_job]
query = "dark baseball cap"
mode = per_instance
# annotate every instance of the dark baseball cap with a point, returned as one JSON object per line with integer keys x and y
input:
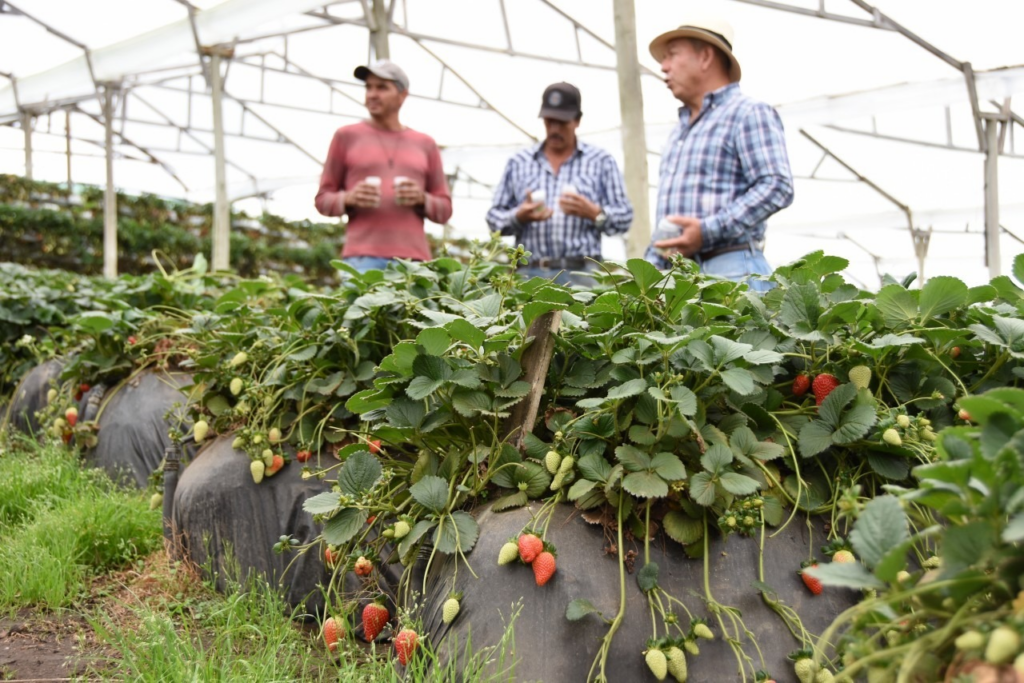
{"x": 386, "y": 69}
{"x": 561, "y": 101}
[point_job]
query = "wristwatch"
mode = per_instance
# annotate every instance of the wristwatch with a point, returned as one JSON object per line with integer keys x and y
{"x": 601, "y": 219}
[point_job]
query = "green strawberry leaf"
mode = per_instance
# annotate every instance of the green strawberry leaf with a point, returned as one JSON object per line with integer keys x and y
{"x": 682, "y": 528}
{"x": 342, "y": 527}
{"x": 580, "y": 608}
{"x": 881, "y": 526}
{"x": 359, "y": 474}
{"x": 647, "y": 578}
{"x": 431, "y": 492}
{"x": 645, "y": 485}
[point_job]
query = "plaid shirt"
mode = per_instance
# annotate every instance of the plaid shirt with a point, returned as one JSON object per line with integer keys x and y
{"x": 594, "y": 174}
{"x": 728, "y": 168}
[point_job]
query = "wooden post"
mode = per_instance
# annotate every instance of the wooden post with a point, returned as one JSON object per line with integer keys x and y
{"x": 379, "y": 34}
{"x": 634, "y": 137}
{"x": 536, "y": 360}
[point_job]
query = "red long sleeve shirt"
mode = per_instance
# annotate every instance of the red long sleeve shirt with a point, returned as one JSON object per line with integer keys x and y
{"x": 389, "y": 230}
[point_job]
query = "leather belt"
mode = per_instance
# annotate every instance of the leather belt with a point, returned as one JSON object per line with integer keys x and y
{"x": 569, "y": 262}
{"x": 712, "y": 253}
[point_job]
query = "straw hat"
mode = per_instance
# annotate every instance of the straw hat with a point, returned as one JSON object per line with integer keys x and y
{"x": 717, "y": 32}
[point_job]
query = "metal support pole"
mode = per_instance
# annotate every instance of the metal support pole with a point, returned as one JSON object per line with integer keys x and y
{"x": 992, "y": 198}
{"x": 634, "y": 138}
{"x": 67, "y": 143}
{"x": 109, "y": 195}
{"x": 221, "y": 256}
{"x": 26, "y": 127}
{"x": 379, "y": 34}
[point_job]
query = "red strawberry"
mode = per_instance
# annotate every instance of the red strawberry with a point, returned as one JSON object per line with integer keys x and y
{"x": 954, "y": 352}
{"x": 66, "y": 437}
{"x": 544, "y": 568}
{"x": 405, "y": 645}
{"x": 363, "y": 566}
{"x": 303, "y": 456}
{"x": 530, "y": 546}
{"x": 374, "y": 446}
{"x": 84, "y": 388}
{"x": 801, "y": 384}
{"x": 330, "y": 557}
{"x": 132, "y": 340}
{"x": 334, "y": 630}
{"x": 813, "y": 584}
{"x": 375, "y": 618}
{"x": 963, "y": 415}
{"x": 823, "y": 386}
{"x": 71, "y": 416}
{"x": 371, "y": 519}
{"x": 275, "y": 466}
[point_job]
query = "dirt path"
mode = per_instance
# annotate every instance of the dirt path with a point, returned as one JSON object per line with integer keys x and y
{"x": 35, "y": 648}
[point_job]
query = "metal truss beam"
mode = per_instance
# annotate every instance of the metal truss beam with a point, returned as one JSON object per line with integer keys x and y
{"x": 913, "y": 141}
{"x": 819, "y": 13}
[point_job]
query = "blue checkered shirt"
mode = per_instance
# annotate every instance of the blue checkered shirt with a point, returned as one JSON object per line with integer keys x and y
{"x": 729, "y": 169}
{"x": 594, "y": 174}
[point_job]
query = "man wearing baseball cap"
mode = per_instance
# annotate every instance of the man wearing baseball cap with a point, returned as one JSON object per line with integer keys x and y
{"x": 559, "y": 196}
{"x": 384, "y": 176}
{"x": 724, "y": 169}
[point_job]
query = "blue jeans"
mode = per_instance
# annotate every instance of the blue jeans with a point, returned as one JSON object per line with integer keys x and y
{"x": 739, "y": 266}
{"x": 365, "y": 263}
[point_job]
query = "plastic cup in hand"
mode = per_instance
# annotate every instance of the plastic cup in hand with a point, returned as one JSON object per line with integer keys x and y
{"x": 539, "y": 196}
{"x": 399, "y": 179}
{"x": 569, "y": 189}
{"x": 373, "y": 181}
{"x": 666, "y": 230}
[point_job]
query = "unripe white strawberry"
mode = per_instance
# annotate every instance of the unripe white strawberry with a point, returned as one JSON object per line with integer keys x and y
{"x": 676, "y": 664}
{"x": 268, "y": 457}
{"x": 257, "y": 468}
{"x": 274, "y": 435}
{"x": 200, "y": 430}
{"x": 860, "y": 376}
{"x": 401, "y": 529}
{"x": 508, "y": 553}
{"x": 236, "y": 386}
{"x": 969, "y": 640}
{"x": 450, "y": 610}
{"x": 238, "y": 359}
{"x": 1003, "y": 645}
{"x": 51, "y": 395}
{"x": 657, "y": 663}
{"x": 892, "y": 437}
{"x": 903, "y": 421}
{"x": 552, "y": 460}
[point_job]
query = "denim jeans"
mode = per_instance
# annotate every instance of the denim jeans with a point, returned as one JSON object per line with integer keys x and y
{"x": 365, "y": 263}
{"x": 740, "y": 265}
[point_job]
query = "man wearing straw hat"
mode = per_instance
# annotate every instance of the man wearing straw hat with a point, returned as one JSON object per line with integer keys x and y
{"x": 724, "y": 170}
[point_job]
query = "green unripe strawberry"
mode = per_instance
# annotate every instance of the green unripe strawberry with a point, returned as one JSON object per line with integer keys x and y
{"x": 702, "y": 631}
{"x": 508, "y": 553}
{"x": 929, "y": 435}
{"x": 200, "y": 430}
{"x": 892, "y": 437}
{"x": 156, "y": 500}
{"x": 969, "y": 640}
{"x": 824, "y": 676}
{"x": 676, "y": 663}
{"x": 557, "y": 482}
{"x": 51, "y": 395}
{"x": 566, "y": 466}
{"x": 860, "y": 376}
{"x": 552, "y": 460}
{"x": 236, "y": 386}
{"x": 450, "y": 610}
{"x": 902, "y": 576}
{"x": 238, "y": 443}
{"x": 1003, "y": 645}
{"x": 257, "y": 468}
{"x": 805, "y": 670}
{"x": 691, "y": 647}
{"x": 258, "y": 439}
{"x": 903, "y": 421}
{"x": 401, "y": 529}
{"x": 275, "y": 435}
{"x": 1018, "y": 664}
{"x": 238, "y": 359}
{"x": 268, "y": 457}
{"x": 59, "y": 424}
{"x": 657, "y": 663}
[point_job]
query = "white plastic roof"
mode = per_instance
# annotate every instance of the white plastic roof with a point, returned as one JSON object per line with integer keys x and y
{"x": 854, "y": 89}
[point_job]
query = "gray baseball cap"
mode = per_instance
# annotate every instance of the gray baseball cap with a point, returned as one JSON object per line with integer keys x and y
{"x": 386, "y": 69}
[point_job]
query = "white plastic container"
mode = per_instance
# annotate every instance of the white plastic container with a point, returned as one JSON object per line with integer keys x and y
{"x": 375, "y": 182}
{"x": 666, "y": 230}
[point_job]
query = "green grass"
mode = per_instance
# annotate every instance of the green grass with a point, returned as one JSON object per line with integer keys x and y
{"x": 61, "y": 525}
{"x": 64, "y": 531}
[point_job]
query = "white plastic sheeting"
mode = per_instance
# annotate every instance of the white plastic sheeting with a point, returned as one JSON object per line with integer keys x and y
{"x": 828, "y": 77}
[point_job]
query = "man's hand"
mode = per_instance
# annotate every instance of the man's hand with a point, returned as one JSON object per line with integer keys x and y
{"x": 363, "y": 196}
{"x": 578, "y": 205}
{"x": 408, "y": 193}
{"x": 530, "y": 211}
{"x": 690, "y": 242}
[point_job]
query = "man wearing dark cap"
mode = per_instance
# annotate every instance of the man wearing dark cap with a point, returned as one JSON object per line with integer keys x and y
{"x": 724, "y": 170}
{"x": 384, "y": 176}
{"x": 559, "y": 196}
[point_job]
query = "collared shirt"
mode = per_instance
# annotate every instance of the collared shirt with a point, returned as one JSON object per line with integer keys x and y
{"x": 594, "y": 174}
{"x": 728, "y": 168}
